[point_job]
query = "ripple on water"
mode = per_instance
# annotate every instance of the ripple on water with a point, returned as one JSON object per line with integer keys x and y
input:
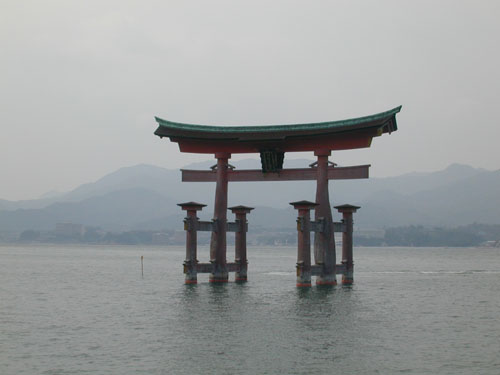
{"x": 88, "y": 310}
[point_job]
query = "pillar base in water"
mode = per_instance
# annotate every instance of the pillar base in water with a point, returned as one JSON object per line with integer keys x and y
{"x": 303, "y": 285}
{"x": 348, "y": 277}
{"x": 218, "y": 281}
{"x": 218, "y": 278}
{"x": 304, "y": 280}
{"x": 240, "y": 278}
{"x": 326, "y": 282}
{"x": 190, "y": 273}
{"x": 347, "y": 280}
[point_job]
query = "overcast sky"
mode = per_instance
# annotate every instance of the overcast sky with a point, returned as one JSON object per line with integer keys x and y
{"x": 81, "y": 81}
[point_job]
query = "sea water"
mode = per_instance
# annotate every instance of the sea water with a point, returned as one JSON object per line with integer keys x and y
{"x": 88, "y": 310}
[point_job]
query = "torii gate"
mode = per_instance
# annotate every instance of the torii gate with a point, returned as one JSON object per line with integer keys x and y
{"x": 272, "y": 142}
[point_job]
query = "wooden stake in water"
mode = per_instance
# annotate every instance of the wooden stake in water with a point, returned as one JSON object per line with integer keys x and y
{"x": 142, "y": 266}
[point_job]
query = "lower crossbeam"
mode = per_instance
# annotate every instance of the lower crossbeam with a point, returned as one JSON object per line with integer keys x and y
{"x": 209, "y": 267}
{"x": 317, "y": 268}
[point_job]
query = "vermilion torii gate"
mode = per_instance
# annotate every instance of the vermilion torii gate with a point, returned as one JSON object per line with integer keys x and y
{"x": 272, "y": 142}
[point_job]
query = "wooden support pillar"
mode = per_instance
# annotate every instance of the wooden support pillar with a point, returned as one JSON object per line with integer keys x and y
{"x": 191, "y": 228}
{"x": 324, "y": 241}
{"x": 347, "y": 257}
{"x": 304, "y": 242}
{"x": 240, "y": 242}
{"x": 218, "y": 240}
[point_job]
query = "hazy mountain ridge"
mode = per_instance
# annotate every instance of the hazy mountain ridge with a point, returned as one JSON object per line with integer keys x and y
{"x": 415, "y": 182}
{"x": 118, "y": 210}
{"x": 145, "y": 197}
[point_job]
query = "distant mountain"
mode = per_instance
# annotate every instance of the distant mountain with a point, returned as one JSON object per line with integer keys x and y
{"x": 118, "y": 210}
{"x": 26, "y": 204}
{"x": 449, "y": 202}
{"x": 149, "y": 177}
{"x": 162, "y": 181}
{"x": 145, "y": 197}
{"x": 51, "y": 194}
{"x": 141, "y": 176}
{"x": 472, "y": 199}
{"x": 414, "y": 182}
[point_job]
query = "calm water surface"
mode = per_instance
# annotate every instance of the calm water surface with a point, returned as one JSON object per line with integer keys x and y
{"x": 87, "y": 310}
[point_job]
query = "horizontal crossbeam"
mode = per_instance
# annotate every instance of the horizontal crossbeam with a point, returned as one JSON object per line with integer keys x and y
{"x": 209, "y": 267}
{"x": 291, "y": 174}
{"x": 319, "y": 226}
{"x": 316, "y": 269}
{"x": 339, "y": 227}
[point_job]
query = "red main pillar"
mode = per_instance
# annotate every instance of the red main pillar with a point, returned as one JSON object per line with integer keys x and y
{"x": 324, "y": 242}
{"x": 218, "y": 241}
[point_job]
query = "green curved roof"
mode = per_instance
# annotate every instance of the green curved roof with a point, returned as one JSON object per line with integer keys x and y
{"x": 165, "y": 126}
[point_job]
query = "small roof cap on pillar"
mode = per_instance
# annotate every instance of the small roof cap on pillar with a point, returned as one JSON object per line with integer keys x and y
{"x": 347, "y": 208}
{"x": 192, "y": 206}
{"x": 240, "y": 209}
{"x": 304, "y": 204}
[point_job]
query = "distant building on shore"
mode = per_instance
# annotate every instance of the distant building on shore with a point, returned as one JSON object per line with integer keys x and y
{"x": 69, "y": 230}
{"x": 491, "y": 243}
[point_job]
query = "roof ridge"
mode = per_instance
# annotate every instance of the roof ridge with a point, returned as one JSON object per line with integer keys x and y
{"x": 271, "y": 128}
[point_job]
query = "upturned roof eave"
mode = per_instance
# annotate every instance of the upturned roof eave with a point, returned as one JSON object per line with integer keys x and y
{"x": 169, "y": 128}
